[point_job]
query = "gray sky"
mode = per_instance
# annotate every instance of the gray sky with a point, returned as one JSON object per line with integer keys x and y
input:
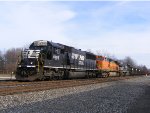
{"x": 120, "y": 28}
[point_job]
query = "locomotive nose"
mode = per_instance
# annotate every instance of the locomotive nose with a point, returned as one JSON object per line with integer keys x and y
{"x": 24, "y": 73}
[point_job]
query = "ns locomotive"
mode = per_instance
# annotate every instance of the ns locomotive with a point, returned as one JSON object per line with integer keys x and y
{"x": 49, "y": 60}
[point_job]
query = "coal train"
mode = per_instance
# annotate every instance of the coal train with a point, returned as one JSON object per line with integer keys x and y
{"x": 48, "y": 60}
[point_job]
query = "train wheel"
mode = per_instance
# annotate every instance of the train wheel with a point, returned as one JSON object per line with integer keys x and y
{"x": 60, "y": 75}
{"x": 107, "y": 75}
{"x": 66, "y": 74}
{"x": 87, "y": 75}
{"x": 98, "y": 75}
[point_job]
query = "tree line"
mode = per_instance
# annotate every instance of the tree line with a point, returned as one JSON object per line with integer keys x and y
{"x": 8, "y": 60}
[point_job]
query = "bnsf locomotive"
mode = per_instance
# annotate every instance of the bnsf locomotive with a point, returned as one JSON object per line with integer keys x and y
{"x": 49, "y": 60}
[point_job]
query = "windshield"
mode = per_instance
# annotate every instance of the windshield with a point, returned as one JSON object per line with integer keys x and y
{"x": 38, "y": 47}
{"x": 30, "y": 53}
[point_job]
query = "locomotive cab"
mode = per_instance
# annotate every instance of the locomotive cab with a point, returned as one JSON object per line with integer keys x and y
{"x": 31, "y": 61}
{"x": 41, "y": 54}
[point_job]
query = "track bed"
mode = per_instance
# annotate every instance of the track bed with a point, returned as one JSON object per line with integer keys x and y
{"x": 13, "y": 87}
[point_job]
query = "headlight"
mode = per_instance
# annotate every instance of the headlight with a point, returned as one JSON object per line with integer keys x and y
{"x": 31, "y": 62}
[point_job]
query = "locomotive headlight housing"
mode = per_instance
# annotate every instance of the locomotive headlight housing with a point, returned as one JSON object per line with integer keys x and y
{"x": 31, "y": 63}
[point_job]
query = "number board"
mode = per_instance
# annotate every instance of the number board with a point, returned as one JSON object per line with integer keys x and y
{"x": 40, "y": 43}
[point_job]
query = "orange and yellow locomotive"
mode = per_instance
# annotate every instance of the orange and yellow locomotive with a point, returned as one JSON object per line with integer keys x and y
{"x": 106, "y": 66}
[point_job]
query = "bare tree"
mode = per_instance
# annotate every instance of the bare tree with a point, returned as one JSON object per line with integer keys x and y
{"x": 102, "y": 53}
{"x": 130, "y": 61}
{"x": 1, "y": 61}
{"x": 106, "y": 54}
{"x": 143, "y": 69}
{"x": 10, "y": 58}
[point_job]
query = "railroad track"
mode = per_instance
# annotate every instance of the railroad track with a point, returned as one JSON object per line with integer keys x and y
{"x": 9, "y": 87}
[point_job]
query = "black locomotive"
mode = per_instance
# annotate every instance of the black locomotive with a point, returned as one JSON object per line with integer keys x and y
{"x": 49, "y": 60}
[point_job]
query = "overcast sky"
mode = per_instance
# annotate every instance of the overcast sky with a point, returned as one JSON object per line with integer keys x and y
{"x": 120, "y": 28}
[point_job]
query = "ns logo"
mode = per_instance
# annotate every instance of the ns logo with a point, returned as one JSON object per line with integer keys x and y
{"x": 77, "y": 56}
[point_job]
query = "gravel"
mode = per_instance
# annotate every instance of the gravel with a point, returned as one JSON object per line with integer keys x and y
{"x": 110, "y": 97}
{"x": 26, "y": 98}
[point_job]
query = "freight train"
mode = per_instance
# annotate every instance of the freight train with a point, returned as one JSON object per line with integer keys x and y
{"x": 48, "y": 60}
